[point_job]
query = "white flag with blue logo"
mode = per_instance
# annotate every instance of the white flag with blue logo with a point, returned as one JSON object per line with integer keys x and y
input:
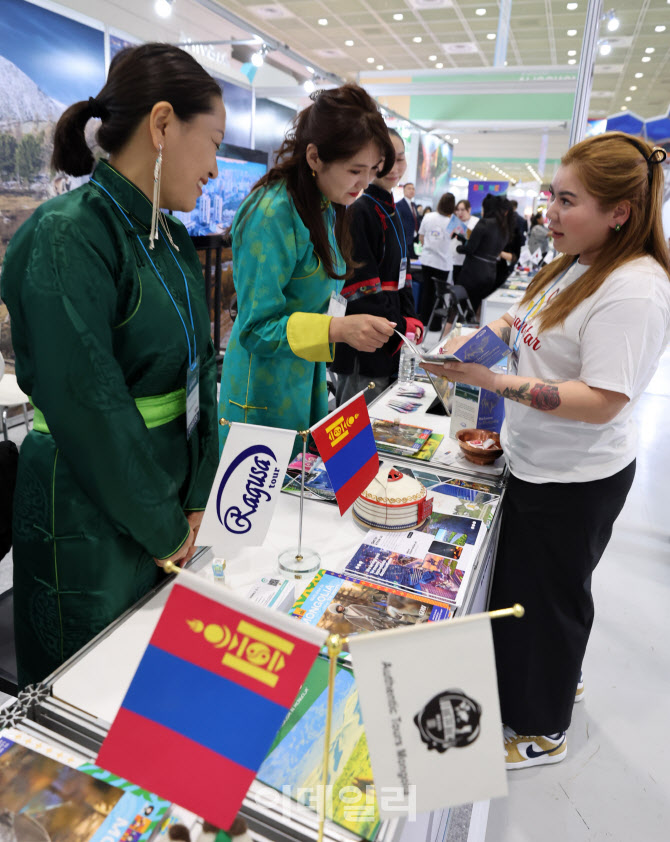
{"x": 429, "y": 702}
{"x": 246, "y": 487}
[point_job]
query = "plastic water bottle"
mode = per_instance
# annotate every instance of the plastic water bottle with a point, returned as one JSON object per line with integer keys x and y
{"x": 407, "y": 365}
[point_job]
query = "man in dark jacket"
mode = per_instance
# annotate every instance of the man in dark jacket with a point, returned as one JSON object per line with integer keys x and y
{"x": 409, "y": 216}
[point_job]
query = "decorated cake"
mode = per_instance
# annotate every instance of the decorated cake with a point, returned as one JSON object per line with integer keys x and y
{"x": 393, "y": 500}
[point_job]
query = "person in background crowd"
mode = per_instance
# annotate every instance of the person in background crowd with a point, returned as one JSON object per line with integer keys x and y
{"x": 586, "y": 339}
{"x": 436, "y": 255}
{"x": 483, "y": 248}
{"x": 519, "y": 222}
{"x": 509, "y": 256}
{"x": 292, "y": 251}
{"x": 379, "y": 285}
{"x": 469, "y": 221}
{"x": 115, "y": 474}
{"x": 409, "y": 216}
{"x": 538, "y": 237}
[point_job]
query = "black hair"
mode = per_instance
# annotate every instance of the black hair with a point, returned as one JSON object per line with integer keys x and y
{"x": 138, "y": 78}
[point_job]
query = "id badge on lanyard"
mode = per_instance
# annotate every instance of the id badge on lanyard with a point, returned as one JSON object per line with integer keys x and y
{"x": 337, "y": 306}
{"x": 402, "y": 276}
{"x": 192, "y": 397}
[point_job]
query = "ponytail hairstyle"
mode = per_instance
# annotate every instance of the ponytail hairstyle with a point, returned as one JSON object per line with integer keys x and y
{"x": 138, "y": 78}
{"x": 613, "y": 167}
{"x": 339, "y": 122}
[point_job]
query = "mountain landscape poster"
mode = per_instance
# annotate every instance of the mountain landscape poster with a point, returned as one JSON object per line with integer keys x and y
{"x": 47, "y": 62}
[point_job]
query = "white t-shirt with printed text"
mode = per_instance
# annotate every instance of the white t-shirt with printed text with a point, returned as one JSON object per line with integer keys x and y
{"x": 613, "y": 340}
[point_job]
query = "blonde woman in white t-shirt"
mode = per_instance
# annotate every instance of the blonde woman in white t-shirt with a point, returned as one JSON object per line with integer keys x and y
{"x": 586, "y": 338}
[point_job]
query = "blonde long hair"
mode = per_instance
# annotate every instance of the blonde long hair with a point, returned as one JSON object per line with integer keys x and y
{"x": 613, "y": 167}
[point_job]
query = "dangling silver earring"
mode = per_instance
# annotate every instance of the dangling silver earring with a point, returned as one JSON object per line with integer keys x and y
{"x": 157, "y": 217}
{"x": 155, "y": 208}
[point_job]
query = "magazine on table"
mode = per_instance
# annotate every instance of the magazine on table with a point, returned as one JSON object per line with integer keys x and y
{"x": 344, "y": 605}
{"x": 484, "y": 347}
{"x": 317, "y": 483}
{"x": 294, "y": 764}
{"x": 452, "y": 499}
{"x": 419, "y": 562}
{"x": 49, "y": 795}
{"x": 401, "y": 439}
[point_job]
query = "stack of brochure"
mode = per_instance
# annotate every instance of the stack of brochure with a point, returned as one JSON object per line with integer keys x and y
{"x": 399, "y": 439}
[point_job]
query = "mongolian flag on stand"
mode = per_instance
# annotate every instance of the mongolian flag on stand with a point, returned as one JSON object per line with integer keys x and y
{"x": 211, "y": 692}
{"x": 347, "y": 446}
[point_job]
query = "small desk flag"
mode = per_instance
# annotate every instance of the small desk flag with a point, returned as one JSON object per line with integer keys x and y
{"x": 347, "y": 446}
{"x": 246, "y": 487}
{"x": 211, "y": 691}
{"x": 429, "y": 701}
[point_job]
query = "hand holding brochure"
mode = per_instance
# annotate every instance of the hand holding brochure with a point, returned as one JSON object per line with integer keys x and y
{"x": 484, "y": 347}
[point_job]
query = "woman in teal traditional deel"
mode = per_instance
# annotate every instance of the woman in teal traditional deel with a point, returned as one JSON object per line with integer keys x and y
{"x": 107, "y": 324}
{"x": 291, "y": 253}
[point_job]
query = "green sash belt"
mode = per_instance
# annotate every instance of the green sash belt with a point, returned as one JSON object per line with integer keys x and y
{"x": 156, "y": 410}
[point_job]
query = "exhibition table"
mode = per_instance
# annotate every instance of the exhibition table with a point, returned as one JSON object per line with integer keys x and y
{"x": 84, "y": 695}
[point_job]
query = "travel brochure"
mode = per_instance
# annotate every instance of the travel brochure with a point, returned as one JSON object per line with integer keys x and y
{"x": 434, "y": 562}
{"x": 294, "y": 764}
{"x": 484, "y": 347}
{"x": 399, "y": 439}
{"x": 347, "y": 606}
{"x": 46, "y": 796}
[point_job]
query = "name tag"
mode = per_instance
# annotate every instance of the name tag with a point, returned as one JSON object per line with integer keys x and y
{"x": 192, "y": 398}
{"x": 337, "y": 306}
{"x": 402, "y": 277}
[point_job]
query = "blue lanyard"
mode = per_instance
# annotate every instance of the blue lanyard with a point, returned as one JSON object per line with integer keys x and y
{"x": 192, "y": 357}
{"x": 403, "y": 251}
{"x": 536, "y": 307}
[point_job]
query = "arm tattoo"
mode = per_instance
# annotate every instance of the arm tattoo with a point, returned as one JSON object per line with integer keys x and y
{"x": 505, "y": 334}
{"x": 543, "y": 395}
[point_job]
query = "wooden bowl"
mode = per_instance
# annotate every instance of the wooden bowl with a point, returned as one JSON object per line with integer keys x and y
{"x": 478, "y": 455}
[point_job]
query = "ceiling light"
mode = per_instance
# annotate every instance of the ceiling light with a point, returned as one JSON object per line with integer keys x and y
{"x": 572, "y": 61}
{"x": 370, "y": 60}
{"x": 432, "y": 58}
{"x": 308, "y": 86}
{"x": 633, "y": 88}
{"x": 257, "y": 58}
{"x": 646, "y": 58}
{"x": 163, "y": 8}
{"x": 572, "y": 6}
{"x": 661, "y": 28}
{"x": 640, "y": 75}
{"x": 398, "y": 16}
{"x": 605, "y": 48}
{"x": 572, "y": 32}
{"x": 455, "y": 140}
{"x": 491, "y": 36}
{"x": 349, "y": 43}
{"x": 309, "y": 69}
{"x": 572, "y": 52}
{"x": 623, "y": 108}
{"x": 628, "y": 98}
{"x": 323, "y": 21}
{"x": 650, "y": 50}
{"x": 380, "y": 67}
{"x": 417, "y": 39}
{"x": 613, "y": 22}
{"x": 439, "y": 64}
{"x": 480, "y": 12}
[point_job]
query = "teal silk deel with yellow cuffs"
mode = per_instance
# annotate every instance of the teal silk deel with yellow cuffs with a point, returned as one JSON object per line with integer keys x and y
{"x": 107, "y": 474}
{"x": 274, "y": 370}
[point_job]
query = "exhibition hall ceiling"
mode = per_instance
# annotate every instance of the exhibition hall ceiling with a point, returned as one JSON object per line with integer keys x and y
{"x": 367, "y": 38}
{"x": 351, "y": 37}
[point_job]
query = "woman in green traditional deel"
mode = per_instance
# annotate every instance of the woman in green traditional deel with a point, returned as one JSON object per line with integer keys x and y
{"x": 109, "y": 322}
{"x": 292, "y": 250}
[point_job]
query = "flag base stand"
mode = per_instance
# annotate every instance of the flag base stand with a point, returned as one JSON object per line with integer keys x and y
{"x": 299, "y": 561}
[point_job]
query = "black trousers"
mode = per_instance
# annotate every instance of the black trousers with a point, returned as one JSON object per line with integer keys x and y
{"x": 552, "y": 537}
